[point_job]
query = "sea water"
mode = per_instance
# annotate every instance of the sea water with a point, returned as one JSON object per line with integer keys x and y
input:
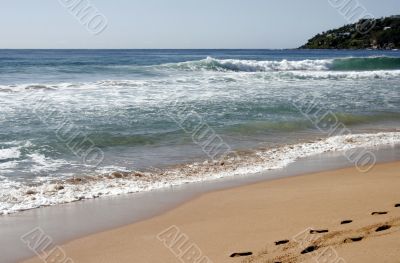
{"x": 79, "y": 124}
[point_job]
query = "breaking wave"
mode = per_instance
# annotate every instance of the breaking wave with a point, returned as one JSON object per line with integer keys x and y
{"x": 336, "y": 69}
{"x": 213, "y": 64}
{"x": 340, "y": 64}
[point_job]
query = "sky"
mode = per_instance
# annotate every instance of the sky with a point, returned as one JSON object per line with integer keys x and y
{"x": 177, "y": 24}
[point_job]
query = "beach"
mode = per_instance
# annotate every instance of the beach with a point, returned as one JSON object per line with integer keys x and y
{"x": 220, "y": 147}
{"x": 200, "y": 132}
{"x": 252, "y": 218}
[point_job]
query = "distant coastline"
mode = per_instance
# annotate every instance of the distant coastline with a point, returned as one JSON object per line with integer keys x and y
{"x": 375, "y": 34}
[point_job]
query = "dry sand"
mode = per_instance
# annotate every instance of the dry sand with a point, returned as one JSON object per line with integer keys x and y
{"x": 252, "y": 218}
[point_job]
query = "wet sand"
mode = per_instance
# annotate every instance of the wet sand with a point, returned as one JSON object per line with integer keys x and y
{"x": 252, "y": 218}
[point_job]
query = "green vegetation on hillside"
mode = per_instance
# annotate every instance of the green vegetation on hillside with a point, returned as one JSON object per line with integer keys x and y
{"x": 383, "y": 33}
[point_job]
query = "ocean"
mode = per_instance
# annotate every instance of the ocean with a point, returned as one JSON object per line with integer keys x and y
{"x": 81, "y": 124}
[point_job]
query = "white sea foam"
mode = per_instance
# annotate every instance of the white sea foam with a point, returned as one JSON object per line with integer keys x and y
{"x": 41, "y": 163}
{"x": 16, "y": 196}
{"x": 10, "y": 153}
{"x": 8, "y": 167}
{"x": 346, "y": 64}
{"x": 210, "y": 70}
{"x": 350, "y": 75}
{"x": 18, "y": 154}
{"x": 253, "y": 65}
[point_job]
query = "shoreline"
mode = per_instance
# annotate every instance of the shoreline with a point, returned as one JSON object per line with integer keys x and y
{"x": 111, "y": 213}
{"x": 249, "y": 218}
{"x": 22, "y": 196}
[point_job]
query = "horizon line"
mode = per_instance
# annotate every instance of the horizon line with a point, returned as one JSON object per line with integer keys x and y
{"x": 149, "y": 48}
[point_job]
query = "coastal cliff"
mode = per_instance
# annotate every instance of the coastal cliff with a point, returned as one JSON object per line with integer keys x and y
{"x": 382, "y": 33}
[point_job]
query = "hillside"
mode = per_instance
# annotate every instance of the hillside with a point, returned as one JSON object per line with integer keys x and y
{"x": 385, "y": 34}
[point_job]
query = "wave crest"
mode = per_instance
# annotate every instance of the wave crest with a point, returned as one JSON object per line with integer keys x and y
{"x": 213, "y": 64}
{"x": 339, "y": 64}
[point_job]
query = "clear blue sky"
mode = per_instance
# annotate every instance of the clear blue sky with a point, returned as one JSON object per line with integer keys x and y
{"x": 176, "y": 23}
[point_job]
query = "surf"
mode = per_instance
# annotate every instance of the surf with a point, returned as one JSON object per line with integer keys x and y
{"x": 337, "y": 64}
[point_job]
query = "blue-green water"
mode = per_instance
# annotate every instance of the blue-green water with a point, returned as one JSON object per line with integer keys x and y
{"x": 123, "y": 103}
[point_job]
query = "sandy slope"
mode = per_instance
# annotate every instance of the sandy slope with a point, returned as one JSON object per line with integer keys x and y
{"x": 252, "y": 218}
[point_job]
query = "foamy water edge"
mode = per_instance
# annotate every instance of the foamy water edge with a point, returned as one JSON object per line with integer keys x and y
{"x": 19, "y": 196}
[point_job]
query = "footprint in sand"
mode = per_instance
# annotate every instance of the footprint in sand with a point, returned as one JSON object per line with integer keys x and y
{"x": 344, "y": 222}
{"x": 379, "y": 213}
{"x": 309, "y": 249}
{"x": 353, "y": 239}
{"x": 319, "y": 231}
{"x": 281, "y": 242}
{"x": 383, "y": 228}
{"x": 241, "y": 254}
